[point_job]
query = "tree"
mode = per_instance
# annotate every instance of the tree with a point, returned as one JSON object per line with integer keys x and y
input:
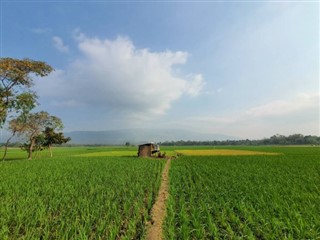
{"x": 51, "y": 137}
{"x": 15, "y": 126}
{"x": 34, "y": 124}
{"x": 15, "y": 84}
{"x": 38, "y": 144}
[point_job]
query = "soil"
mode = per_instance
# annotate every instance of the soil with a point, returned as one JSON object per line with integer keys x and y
{"x": 158, "y": 211}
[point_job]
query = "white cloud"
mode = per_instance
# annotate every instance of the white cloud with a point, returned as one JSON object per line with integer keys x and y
{"x": 114, "y": 74}
{"x": 58, "y": 44}
{"x": 284, "y": 107}
{"x": 195, "y": 85}
{"x": 299, "y": 114}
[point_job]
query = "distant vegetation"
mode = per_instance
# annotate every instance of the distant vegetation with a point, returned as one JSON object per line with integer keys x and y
{"x": 294, "y": 139}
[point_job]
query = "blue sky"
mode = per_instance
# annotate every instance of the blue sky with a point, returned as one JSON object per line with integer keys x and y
{"x": 246, "y": 69}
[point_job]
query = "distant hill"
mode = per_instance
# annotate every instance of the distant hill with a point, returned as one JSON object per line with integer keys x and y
{"x": 137, "y": 136}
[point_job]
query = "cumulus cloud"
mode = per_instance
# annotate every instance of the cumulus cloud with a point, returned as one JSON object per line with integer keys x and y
{"x": 121, "y": 77}
{"x": 58, "y": 44}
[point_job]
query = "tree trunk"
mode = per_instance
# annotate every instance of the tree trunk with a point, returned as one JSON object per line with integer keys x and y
{"x": 6, "y": 146}
{"x": 32, "y": 143}
{"x": 50, "y": 150}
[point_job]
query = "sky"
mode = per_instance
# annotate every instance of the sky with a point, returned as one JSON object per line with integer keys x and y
{"x": 247, "y": 69}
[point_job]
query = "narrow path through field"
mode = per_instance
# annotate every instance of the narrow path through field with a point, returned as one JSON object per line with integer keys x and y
{"x": 158, "y": 211}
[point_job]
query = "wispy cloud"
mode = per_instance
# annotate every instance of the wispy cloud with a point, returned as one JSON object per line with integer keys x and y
{"x": 58, "y": 44}
{"x": 284, "y": 107}
{"x": 299, "y": 114}
{"x": 41, "y": 30}
{"x": 68, "y": 103}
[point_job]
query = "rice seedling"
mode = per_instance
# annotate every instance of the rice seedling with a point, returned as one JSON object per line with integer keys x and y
{"x": 77, "y": 198}
{"x": 222, "y": 152}
{"x": 251, "y": 197}
{"x": 107, "y": 193}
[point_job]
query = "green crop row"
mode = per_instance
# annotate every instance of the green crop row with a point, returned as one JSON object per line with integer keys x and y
{"x": 77, "y": 198}
{"x": 249, "y": 197}
{"x": 91, "y": 193}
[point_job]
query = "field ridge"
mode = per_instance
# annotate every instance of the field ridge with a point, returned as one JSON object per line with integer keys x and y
{"x": 158, "y": 211}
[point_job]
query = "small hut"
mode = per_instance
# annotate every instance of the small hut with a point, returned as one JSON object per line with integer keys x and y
{"x": 147, "y": 149}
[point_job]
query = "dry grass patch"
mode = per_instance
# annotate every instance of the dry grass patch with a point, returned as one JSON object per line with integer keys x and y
{"x": 223, "y": 152}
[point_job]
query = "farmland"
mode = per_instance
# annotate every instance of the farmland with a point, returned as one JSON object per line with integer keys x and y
{"x": 108, "y": 193}
{"x": 77, "y": 197}
{"x": 251, "y": 197}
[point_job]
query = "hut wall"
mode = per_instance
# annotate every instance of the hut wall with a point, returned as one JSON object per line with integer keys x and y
{"x": 145, "y": 151}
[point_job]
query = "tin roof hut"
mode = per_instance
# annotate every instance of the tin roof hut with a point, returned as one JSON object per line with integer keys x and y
{"x": 147, "y": 149}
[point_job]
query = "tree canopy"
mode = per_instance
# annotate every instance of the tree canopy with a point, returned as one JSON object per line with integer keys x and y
{"x": 15, "y": 85}
{"x": 34, "y": 125}
{"x": 50, "y": 137}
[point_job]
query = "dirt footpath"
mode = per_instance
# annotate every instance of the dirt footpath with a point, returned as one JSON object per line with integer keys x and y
{"x": 158, "y": 211}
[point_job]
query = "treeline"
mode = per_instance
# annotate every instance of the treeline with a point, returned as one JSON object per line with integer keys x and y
{"x": 294, "y": 139}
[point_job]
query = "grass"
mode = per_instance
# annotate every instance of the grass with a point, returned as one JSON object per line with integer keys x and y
{"x": 222, "y": 152}
{"x": 17, "y": 153}
{"x": 118, "y": 153}
{"x": 250, "y": 197}
{"x": 107, "y": 193}
{"x": 77, "y": 197}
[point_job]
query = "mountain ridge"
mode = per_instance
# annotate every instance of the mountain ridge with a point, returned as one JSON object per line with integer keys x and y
{"x": 140, "y": 135}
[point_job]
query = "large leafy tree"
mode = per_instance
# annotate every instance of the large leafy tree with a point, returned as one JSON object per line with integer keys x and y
{"x": 50, "y": 137}
{"x": 15, "y": 85}
{"x": 34, "y": 125}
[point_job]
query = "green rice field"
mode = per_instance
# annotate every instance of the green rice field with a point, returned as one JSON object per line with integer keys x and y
{"x": 108, "y": 193}
{"x": 246, "y": 197}
{"x": 74, "y": 197}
